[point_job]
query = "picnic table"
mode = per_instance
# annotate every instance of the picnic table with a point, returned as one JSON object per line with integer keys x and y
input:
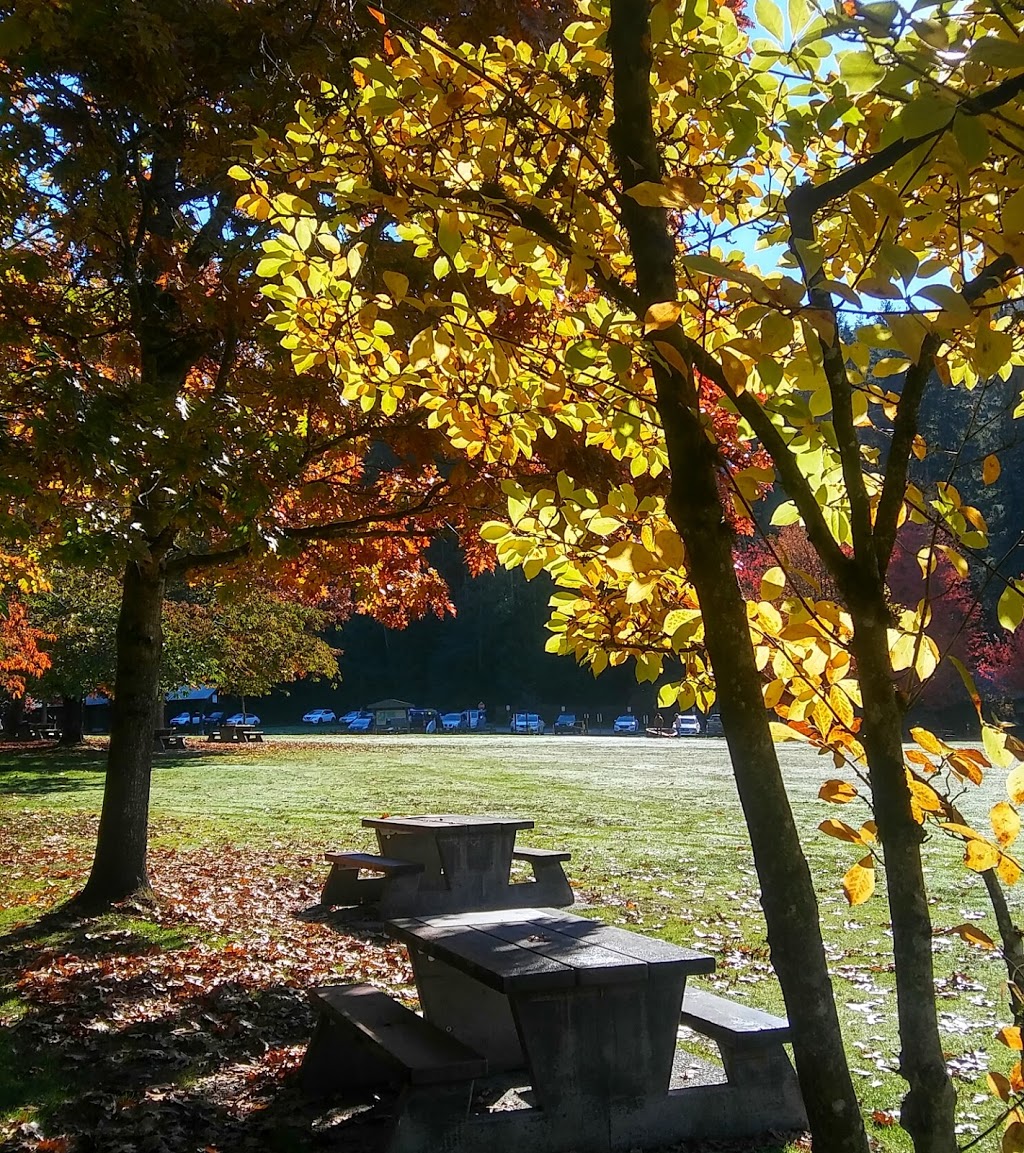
{"x": 588, "y": 1010}
{"x": 447, "y": 862}
{"x": 164, "y": 739}
{"x": 238, "y": 734}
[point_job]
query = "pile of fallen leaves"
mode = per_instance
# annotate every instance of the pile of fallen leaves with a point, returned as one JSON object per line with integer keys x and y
{"x": 177, "y": 1028}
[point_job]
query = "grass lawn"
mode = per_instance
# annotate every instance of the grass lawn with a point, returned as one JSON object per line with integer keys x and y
{"x": 189, "y": 1020}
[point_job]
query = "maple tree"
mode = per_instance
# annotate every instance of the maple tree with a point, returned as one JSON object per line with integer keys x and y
{"x": 607, "y": 184}
{"x": 150, "y": 426}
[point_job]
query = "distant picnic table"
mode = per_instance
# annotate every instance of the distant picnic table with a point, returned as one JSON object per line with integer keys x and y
{"x": 446, "y": 863}
{"x": 237, "y": 734}
{"x": 588, "y": 1010}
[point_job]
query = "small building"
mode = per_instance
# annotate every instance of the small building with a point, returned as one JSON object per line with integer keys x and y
{"x": 390, "y": 716}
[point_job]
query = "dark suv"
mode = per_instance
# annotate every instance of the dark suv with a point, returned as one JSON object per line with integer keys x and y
{"x": 567, "y": 723}
{"x": 713, "y": 726}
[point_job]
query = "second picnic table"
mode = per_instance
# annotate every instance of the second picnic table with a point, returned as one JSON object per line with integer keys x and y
{"x": 447, "y": 862}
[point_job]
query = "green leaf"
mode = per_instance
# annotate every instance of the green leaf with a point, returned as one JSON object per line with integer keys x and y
{"x": 950, "y": 300}
{"x": 925, "y": 115}
{"x": 860, "y": 71}
{"x": 785, "y": 514}
{"x": 769, "y": 16}
{"x": 997, "y": 53}
{"x": 799, "y": 14}
{"x": 1011, "y": 607}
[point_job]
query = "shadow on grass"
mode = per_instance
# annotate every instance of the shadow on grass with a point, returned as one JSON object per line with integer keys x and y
{"x": 121, "y": 1035}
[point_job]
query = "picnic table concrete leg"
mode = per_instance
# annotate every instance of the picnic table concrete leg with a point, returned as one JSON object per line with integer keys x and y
{"x": 469, "y": 1010}
{"x": 343, "y": 887}
{"x": 398, "y": 895}
{"x": 588, "y": 1047}
{"x": 549, "y": 888}
{"x": 477, "y": 866}
{"x": 337, "y": 1059}
{"x": 432, "y": 1119}
{"x": 418, "y": 847}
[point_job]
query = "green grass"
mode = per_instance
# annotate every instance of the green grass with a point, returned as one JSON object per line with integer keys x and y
{"x": 658, "y": 845}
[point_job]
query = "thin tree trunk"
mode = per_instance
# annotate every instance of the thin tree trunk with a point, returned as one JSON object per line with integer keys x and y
{"x": 929, "y": 1107}
{"x": 72, "y": 730}
{"x": 788, "y": 896}
{"x": 14, "y": 717}
{"x": 119, "y": 867}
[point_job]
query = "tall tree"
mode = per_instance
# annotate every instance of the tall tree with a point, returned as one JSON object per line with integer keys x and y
{"x": 597, "y": 187}
{"x": 149, "y": 426}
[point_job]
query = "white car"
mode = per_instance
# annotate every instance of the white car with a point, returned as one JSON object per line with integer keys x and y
{"x": 526, "y": 723}
{"x": 319, "y": 717}
{"x": 627, "y": 723}
{"x": 243, "y": 719}
{"x": 686, "y": 725}
{"x": 451, "y": 722}
{"x": 186, "y": 719}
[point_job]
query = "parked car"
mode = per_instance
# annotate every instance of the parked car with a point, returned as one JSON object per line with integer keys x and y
{"x": 361, "y": 723}
{"x": 319, "y": 717}
{"x": 526, "y": 723}
{"x": 451, "y": 722}
{"x": 187, "y": 719}
{"x": 686, "y": 725}
{"x": 567, "y": 723}
{"x": 627, "y": 723}
{"x": 714, "y": 726}
{"x": 243, "y": 719}
{"x": 473, "y": 719}
{"x": 216, "y": 718}
{"x": 354, "y": 715}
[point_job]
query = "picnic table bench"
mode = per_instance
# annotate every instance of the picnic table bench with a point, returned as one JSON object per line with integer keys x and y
{"x": 238, "y": 734}
{"x": 590, "y": 1012}
{"x": 164, "y": 739}
{"x": 446, "y": 863}
{"x": 40, "y": 732}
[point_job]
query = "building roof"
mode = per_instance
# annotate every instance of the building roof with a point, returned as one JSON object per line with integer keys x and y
{"x": 187, "y": 693}
{"x": 389, "y": 703}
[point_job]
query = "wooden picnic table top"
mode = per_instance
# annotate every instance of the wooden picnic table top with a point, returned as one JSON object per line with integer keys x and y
{"x": 447, "y": 823}
{"x": 529, "y": 950}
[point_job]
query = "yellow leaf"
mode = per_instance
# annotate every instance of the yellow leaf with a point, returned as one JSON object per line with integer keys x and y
{"x": 965, "y": 768}
{"x": 672, "y": 356}
{"x": 837, "y": 792}
{"x": 929, "y": 742}
{"x": 662, "y": 315}
{"x": 1005, "y": 823}
{"x": 1009, "y": 871}
{"x": 980, "y": 855}
{"x": 991, "y": 468}
{"x": 974, "y": 936}
{"x": 1015, "y": 785}
{"x": 1013, "y": 1138}
{"x": 999, "y": 1086}
{"x": 841, "y": 831}
{"x": 1010, "y": 1037}
{"x": 398, "y": 284}
{"x": 859, "y": 881}
{"x": 672, "y": 192}
{"x": 1010, "y": 609}
{"x": 772, "y": 583}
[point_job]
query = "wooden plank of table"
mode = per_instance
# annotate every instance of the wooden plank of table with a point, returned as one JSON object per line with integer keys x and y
{"x": 592, "y": 964}
{"x": 637, "y": 946}
{"x": 446, "y": 822}
{"x": 502, "y": 965}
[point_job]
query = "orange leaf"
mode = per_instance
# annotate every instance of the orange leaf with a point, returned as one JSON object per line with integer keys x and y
{"x": 859, "y": 881}
{"x": 837, "y": 792}
{"x": 999, "y": 1086}
{"x": 980, "y": 855}
{"x": 377, "y": 15}
{"x": 1010, "y": 1037}
{"x": 1016, "y": 1078}
{"x": 990, "y": 469}
{"x": 1013, "y": 1138}
{"x": 964, "y": 767}
{"x": 974, "y": 936}
{"x": 841, "y": 831}
{"x": 1005, "y": 823}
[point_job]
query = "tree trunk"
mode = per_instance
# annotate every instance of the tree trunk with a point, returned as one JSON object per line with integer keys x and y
{"x": 788, "y": 896}
{"x": 14, "y": 717}
{"x": 119, "y": 867}
{"x": 928, "y": 1109}
{"x": 72, "y": 730}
